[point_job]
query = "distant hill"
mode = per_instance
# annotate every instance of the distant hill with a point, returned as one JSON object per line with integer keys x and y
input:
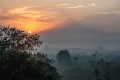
{"x": 73, "y": 28}
{"x": 70, "y": 33}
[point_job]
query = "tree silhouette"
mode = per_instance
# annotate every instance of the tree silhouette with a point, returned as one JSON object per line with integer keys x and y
{"x": 97, "y": 74}
{"x": 17, "y": 61}
{"x": 75, "y": 59}
{"x": 63, "y": 57}
{"x": 12, "y": 38}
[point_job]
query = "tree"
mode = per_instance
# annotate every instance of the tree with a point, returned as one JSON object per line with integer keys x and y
{"x": 75, "y": 59}
{"x": 12, "y": 38}
{"x": 17, "y": 61}
{"x": 97, "y": 74}
{"x": 63, "y": 57}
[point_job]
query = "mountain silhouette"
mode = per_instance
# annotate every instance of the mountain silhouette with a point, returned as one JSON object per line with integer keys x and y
{"x": 71, "y": 33}
{"x": 71, "y": 27}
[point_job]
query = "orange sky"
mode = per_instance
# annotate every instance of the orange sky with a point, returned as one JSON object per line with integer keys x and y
{"x": 39, "y": 15}
{"x": 26, "y": 19}
{"x": 31, "y": 25}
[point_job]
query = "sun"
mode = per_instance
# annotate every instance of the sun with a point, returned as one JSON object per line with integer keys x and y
{"x": 29, "y": 32}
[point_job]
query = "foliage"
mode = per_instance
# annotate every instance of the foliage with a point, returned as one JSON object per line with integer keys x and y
{"x": 16, "y": 62}
{"x": 96, "y": 73}
{"x": 63, "y": 57}
{"x": 12, "y": 38}
{"x": 75, "y": 59}
{"x": 16, "y": 65}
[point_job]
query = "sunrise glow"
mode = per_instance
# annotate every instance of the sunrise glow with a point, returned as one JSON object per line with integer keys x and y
{"x": 39, "y": 16}
{"x": 29, "y": 32}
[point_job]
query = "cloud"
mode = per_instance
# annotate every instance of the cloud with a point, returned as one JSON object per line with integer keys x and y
{"x": 45, "y": 18}
{"x": 8, "y": 17}
{"x": 27, "y": 13}
{"x": 0, "y": 10}
{"x": 22, "y": 10}
{"x": 76, "y": 6}
{"x": 111, "y": 12}
{"x": 63, "y": 4}
{"x": 93, "y": 4}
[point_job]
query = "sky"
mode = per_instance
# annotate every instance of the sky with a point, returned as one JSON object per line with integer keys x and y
{"x": 40, "y": 15}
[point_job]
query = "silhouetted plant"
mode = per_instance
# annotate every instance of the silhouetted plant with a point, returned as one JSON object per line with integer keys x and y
{"x": 63, "y": 57}
{"x": 17, "y": 61}
{"x": 97, "y": 74}
{"x": 12, "y": 38}
{"x": 75, "y": 59}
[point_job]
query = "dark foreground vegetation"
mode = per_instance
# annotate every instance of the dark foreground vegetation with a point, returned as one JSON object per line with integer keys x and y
{"x": 19, "y": 60}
